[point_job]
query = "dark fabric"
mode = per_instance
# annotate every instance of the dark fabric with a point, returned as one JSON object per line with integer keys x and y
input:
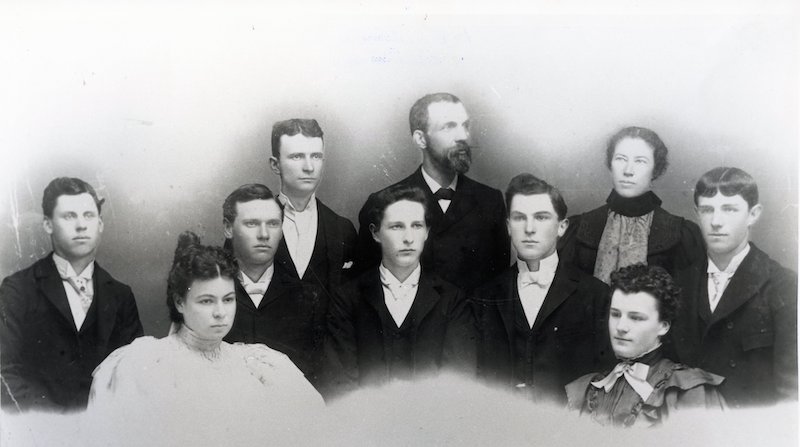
{"x": 290, "y": 319}
{"x": 569, "y": 337}
{"x": 675, "y": 387}
{"x": 751, "y": 338}
{"x": 633, "y": 206}
{"x": 674, "y": 242}
{"x": 333, "y": 256}
{"x": 466, "y": 246}
{"x": 365, "y": 347}
{"x": 444, "y": 194}
{"x": 46, "y": 362}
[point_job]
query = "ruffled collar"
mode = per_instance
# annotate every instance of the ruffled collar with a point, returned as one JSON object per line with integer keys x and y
{"x": 210, "y": 349}
{"x": 633, "y": 206}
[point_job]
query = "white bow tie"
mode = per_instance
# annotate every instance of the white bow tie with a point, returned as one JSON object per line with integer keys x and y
{"x": 258, "y": 288}
{"x": 635, "y": 374}
{"x": 540, "y": 278}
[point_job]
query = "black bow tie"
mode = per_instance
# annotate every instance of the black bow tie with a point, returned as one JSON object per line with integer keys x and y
{"x": 444, "y": 194}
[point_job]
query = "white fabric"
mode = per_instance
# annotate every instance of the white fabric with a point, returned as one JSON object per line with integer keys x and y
{"x": 718, "y": 280}
{"x": 533, "y": 286}
{"x": 399, "y": 296}
{"x": 435, "y": 186}
{"x": 79, "y": 288}
{"x": 256, "y": 290}
{"x": 300, "y": 231}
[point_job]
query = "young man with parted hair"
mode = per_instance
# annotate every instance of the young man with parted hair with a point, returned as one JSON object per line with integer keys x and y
{"x": 273, "y": 307}
{"x": 61, "y": 317}
{"x": 542, "y": 321}
{"x": 739, "y": 317}
{"x": 318, "y": 245}
{"x": 468, "y": 243}
{"x": 398, "y": 320}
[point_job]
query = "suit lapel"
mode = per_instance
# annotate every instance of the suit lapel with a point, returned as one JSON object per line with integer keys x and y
{"x": 332, "y": 235}
{"x": 242, "y": 298}
{"x": 507, "y": 297}
{"x": 564, "y": 284}
{"x": 105, "y": 304}
{"x": 284, "y": 260}
{"x": 52, "y": 286}
{"x": 426, "y": 299}
{"x": 745, "y": 283}
{"x": 372, "y": 292}
{"x": 278, "y": 286}
{"x": 437, "y": 216}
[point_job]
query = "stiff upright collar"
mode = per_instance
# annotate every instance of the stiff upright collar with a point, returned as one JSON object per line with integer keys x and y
{"x": 66, "y": 271}
{"x": 633, "y": 206}
{"x": 434, "y": 185}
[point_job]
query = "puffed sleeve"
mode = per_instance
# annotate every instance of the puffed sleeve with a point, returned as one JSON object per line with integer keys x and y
{"x": 115, "y": 382}
{"x": 284, "y": 381}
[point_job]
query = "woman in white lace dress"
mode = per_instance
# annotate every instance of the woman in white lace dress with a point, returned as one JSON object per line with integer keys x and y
{"x": 191, "y": 387}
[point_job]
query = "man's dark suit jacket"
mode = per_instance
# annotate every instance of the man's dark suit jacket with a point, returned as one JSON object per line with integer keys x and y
{"x": 289, "y": 318}
{"x": 360, "y": 330}
{"x": 674, "y": 242}
{"x": 47, "y": 362}
{"x": 467, "y": 246}
{"x": 751, "y": 338}
{"x": 570, "y": 332}
{"x": 333, "y": 256}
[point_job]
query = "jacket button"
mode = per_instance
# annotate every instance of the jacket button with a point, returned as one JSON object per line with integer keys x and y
{"x": 732, "y": 364}
{"x": 730, "y": 325}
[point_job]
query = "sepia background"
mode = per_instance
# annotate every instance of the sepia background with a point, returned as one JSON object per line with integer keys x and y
{"x": 166, "y": 109}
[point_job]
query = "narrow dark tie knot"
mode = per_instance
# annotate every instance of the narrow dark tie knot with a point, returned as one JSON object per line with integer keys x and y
{"x": 444, "y": 194}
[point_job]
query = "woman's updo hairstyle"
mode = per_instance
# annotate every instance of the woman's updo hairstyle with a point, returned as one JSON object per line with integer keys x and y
{"x": 195, "y": 261}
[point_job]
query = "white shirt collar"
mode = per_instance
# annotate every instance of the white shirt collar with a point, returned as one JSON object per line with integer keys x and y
{"x": 265, "y": 277}
{"x": 288, "y": 206}
{"x": 434, "y": 185}
{"x": 388, "y": 278}
{"x": 548, "y": 264}
{"x": 66, "y": 271}
{"x": 736, "y": 261}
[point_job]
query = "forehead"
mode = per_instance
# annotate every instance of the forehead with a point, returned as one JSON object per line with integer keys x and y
{"x": 719, "y": 200}
{"x": 445, "y": 111}
{"x": 79, "y": 202}
{"x": 641, "y": 302}
{"x": 219, "y": 286}
{"x": 300, "y": 143}
{"x": 404, "y": 210}
{"x": 531, "y": 204}
{"x": 263, "y": 209}
{"x": 634, "y": 147}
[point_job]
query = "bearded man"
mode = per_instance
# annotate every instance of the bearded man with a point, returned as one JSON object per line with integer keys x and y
{"x": 468, "y": 243}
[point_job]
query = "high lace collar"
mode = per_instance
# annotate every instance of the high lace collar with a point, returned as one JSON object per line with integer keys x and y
{"x": 208, "y": 348}
{"x": 633, "y": 206}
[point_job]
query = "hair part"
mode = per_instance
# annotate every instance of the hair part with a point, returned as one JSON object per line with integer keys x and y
{"x": 291, "y": 127}
{"x": 728, "y": 182}
{"x": 528, "y": 184}
{"x": 393, "y": 194}
{"x": 69, "y": 186}
{"x": 652, "y": 139}
{"x": 418, "y": 116}
{"x": 246, "y": 193}
{"x": 195, "y": 261}
{"x": 653, "y": 280}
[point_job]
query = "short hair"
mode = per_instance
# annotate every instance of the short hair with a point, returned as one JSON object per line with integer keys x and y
{"x": 194, "y": 261}
{"x": 653, "y": 280}
{"x": 291, "y": 127}
{"x": 660, "y": 150}
{"x": 246, "y": 193}
{"x": 69, "y": 186}
{"x": 729, "y": 182}
{"x": 395, "y": 193}
{"x": 527, "y": 184}
{"x": 418, "y": 116}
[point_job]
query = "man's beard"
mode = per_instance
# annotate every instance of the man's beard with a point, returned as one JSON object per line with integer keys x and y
{"x": 457, "y": 159}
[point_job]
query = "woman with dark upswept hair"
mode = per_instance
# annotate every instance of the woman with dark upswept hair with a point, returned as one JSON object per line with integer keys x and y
{"x": 631, "y": 227}
{"x": 192, "y": 372}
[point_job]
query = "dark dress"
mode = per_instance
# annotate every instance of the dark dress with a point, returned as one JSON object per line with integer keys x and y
{"x": 675, "y": 387}
{"x": 673, "y": 243}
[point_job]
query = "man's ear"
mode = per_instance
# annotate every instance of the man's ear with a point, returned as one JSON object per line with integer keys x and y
{"x": 420, "y": 139}
{"x": 754, "y": 214}
{"x": 227, "y": 229}
{"x": 275, "y": 166}
{"x": 374, "y": 232}
{"x": 47, "y": 224}
{"x": 562, "y": 227}
{"x": 100, "y": 224}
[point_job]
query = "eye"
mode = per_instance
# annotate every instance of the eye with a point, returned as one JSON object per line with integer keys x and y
{"x": 317, "y": 156}
{"x": 228, "y": 299}
{"x": 417, "y": 225}
{"x": 614, "y": 313}
{"x": 206, "y": 301}
{"x": 274, "y": 224}
{"x": 250, "y": 224}
{"x": 395, "y": 226}
{"x": 517, "y": 217}
{"x": 295, "y": 156}
{"x": 638, "y": 318}
{"x": 69, "y": 216}
{"x": 542, "y": 217}
{"x": 705, "y": 210}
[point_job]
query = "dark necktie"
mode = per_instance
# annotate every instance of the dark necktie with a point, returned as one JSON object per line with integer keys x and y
{"x": 444, "y": 194}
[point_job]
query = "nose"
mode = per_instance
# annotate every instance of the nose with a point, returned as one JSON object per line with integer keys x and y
{"x": 219, "y": 310}
{"x": 716, "y": 219}
{"x": 308, "y": 166}
{"x": 408, "y": 236}
{"x": 622, "y": 326}
{"x": 628, "y": 169}
{"x": 80, "y": 223}
{"x": 530, "y": 227}
{"x": 263, "y": 233}
{"x": 462, "y": 133}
